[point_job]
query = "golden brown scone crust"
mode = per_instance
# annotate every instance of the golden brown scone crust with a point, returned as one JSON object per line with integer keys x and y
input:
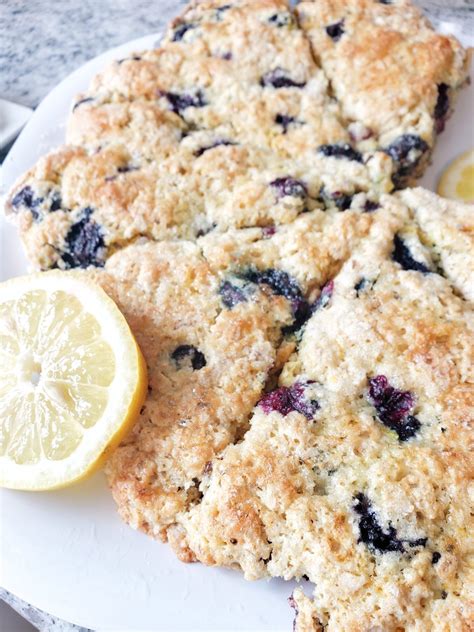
{"x": 392, "y": 74}
{"x": 234, "y": 72}
{"x": 207, "y": 366}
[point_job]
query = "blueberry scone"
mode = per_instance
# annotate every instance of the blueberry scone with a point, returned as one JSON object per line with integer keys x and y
{"x": 207, "y": 365}
{"x": 215, "y": 322}
{"x": 74, "y": 209}
{"x": 356, "y": 473}
{"x": 243, "y": 70}
{"x": 378, "y": 77}
{"x": 394, "y": 77}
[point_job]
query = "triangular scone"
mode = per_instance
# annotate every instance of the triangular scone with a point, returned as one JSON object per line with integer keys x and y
{"x": 243, "y": 70}
{"x": 392, "y": 74}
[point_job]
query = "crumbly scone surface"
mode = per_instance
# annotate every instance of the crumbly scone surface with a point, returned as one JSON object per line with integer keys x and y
{"x": 207, "y": 367}
{"x": 238, "y": 72}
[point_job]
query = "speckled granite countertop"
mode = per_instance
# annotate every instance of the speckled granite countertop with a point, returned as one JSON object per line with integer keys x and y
{"x": 42, "y": 41}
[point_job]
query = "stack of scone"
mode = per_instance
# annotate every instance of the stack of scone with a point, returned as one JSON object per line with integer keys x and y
{"x": 308, "y": 333}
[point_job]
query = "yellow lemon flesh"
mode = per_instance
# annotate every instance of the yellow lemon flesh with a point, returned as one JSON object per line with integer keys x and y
{"x": 72, "y": 379}
{"x": 457, "y": 181}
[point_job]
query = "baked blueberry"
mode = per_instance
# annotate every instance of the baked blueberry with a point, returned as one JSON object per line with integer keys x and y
{"x": 288, "y": 399}
{"x": 336, "y": 30}
{"x": 221, "y": 10}
{"x": 207, "y": 469}
{"x": 377, "y": 539}
{"x": 406, "y": 151}
{"x": 285, "y": 121}
{"x": 84, "y": 243}
{"x": 360, "y": 286}
{"x": 370, "y": 206}
{"x": 26, "y": 198}
{"x": 370, "y": 532}
{"x": 205, "y": 230}
{"x": 324, "y": 297}
{"x": 232, "y": 294}
{"x": 127, "y": 168}
{"x": 340, "y": 151}
{"x": 280, "y": 19}
{"x": 268, "y": 231}
{"x": 280, "y": 282}
{"x": 180, "y": 102}
{"x": 122, "y": 169}
{"x": 402, "y": 255}
{"x": 82, "y": 101}
{"x": 218, "y": 143}
{"x": 289, "y": 186}
{"x": 55, "y": 201}
{"x": 340, "y": 200}
{"x": 393, "y": 407}
{"x": 186, "y": 355}
{"x": 435, "y": 558}
{"x": 181, "y": 30}
{"x": 278, "y": 78}
{"x": 442, "y": 107}
{"x": 302, "y": 311}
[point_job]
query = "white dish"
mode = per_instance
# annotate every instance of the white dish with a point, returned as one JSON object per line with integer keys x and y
{"x": 67, "y": 552}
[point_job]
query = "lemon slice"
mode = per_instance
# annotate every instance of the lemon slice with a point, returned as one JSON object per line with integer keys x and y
{"x": 457, "y": 181}
{"x": 72, "y": 379}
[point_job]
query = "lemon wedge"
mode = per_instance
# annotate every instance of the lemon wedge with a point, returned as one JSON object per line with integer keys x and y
{"x": 457, "y": 181}
{"x": 72, "y": 379}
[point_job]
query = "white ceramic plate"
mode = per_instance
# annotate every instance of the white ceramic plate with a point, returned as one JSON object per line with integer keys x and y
{"x": 67, "y": 552}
